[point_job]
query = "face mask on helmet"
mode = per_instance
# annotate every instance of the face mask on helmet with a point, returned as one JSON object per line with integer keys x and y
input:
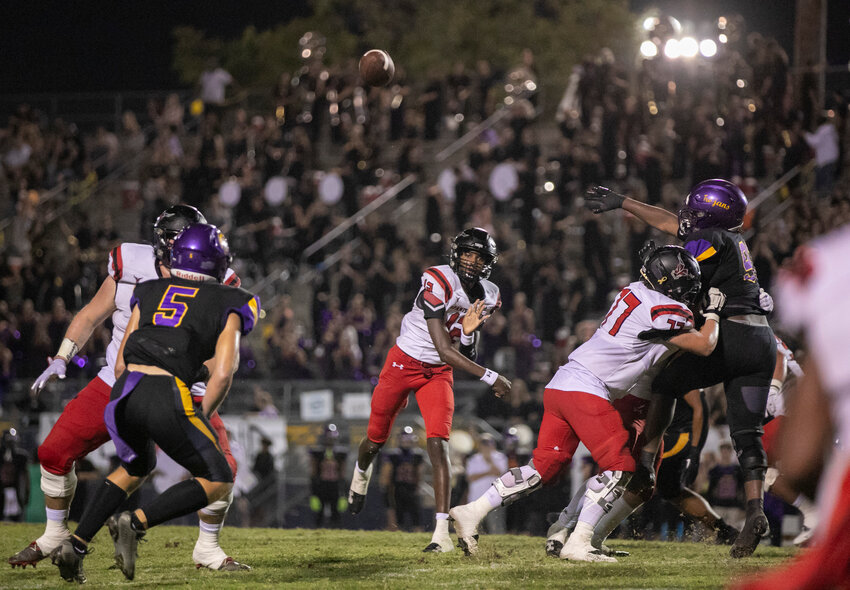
{"x": 170, "y": 223}
{"x": 715, "y": 203}
{"x": 673, "y": 271}
{"x": 473, "y": 240}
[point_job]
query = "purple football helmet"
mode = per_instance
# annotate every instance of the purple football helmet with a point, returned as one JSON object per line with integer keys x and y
{"x": 712, "y": 203}
{"x": 200, "y": 252}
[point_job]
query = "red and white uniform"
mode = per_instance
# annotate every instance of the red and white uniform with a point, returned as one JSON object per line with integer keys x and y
{"x": 775, "y": 409}
{"x": 81, "y": 429}
{"x": 600, "y": 396}
{"x": 811, "y": 298}
{"x": 413, "y": 364}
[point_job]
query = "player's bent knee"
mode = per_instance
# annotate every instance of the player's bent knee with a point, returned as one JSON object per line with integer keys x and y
{"x": 56, "y": 460}
{"x": 58, "y": 486}
{"x": 220, "y": 506}
{"x": 517, "y": 482}
{"x": 751, "y": 455}
{"x": 215, "y": 490}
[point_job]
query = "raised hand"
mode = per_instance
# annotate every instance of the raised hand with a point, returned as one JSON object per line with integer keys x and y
{"x": 56, "y": 368}
{"x": 599, "y": 199}
{"x": 474, "y": 317}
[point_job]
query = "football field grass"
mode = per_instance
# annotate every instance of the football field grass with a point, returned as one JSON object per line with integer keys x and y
{"x": 298, "y": 558}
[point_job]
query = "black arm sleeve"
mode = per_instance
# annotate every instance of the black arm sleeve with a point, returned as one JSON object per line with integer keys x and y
{"x": 471, "y": 351}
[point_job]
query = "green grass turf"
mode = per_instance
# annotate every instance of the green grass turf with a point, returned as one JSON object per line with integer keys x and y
{"x": 298, "y": 558}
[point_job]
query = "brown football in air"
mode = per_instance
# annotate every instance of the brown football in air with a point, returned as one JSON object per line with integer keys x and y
{"x": 377, "y": 67}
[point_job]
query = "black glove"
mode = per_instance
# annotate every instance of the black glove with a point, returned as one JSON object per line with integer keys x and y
{"x": 646, "y": 250}
{"x": 599, "y": 199}
{"x": 689, "y": 473}
{"x": 643, "y": 481}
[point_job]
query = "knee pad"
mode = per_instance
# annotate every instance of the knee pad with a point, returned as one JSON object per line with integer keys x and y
{"x": 605, "y": 488}
{"x": 58, "y": 486}
{"x": 516, "y": 483}
{"x": 751, "y": 455}
{"x": 219, "y": 507}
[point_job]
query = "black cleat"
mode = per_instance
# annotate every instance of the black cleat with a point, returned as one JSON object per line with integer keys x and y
{"x": 755, "y": 527}
{"x": 726, "y": 534}
{"x": 29, "y": 555}
{"x": 69, "y": 561}
{"x": 126, "y": 543}
{"x": 553, "y": 548}
{"x": 356, "y": 502}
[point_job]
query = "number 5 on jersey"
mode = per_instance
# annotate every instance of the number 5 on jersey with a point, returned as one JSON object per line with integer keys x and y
{"x": 171, "y": 311}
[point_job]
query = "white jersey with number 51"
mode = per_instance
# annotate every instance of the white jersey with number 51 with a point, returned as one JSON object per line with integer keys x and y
{"x": 615, "y": 359}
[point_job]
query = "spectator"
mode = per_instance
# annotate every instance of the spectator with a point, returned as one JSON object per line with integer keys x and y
{"x": 481, "y": 469}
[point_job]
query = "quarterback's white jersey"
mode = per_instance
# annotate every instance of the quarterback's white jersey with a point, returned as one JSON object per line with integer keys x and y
{"x": 130, "y": 264}
{"x": 441, "y": 295}
{"x": 810, "y": 298}
{"x": 615, "y": 361}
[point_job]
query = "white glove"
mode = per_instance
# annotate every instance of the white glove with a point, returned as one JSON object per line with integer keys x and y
{"x": 56, "y": 368}
{"x": 716, "y": 301}
{"x": 775, "y": 403}
{"x": 765, "y": 301}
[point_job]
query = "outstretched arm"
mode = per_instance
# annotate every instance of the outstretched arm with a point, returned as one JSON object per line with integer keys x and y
{"x": 599, "y": 199}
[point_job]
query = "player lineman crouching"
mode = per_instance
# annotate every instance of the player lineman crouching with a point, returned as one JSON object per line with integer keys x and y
{"x": 590, "y": 398}
{"x": 176, "y": 325}
{"x": 454, "y": 300}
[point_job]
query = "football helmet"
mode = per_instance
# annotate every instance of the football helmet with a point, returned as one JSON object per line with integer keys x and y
{"x": 674, "y": 271}
{"x": 477, "y": 240}
{"x": 712, "y": 203}
{"x": 200, "y": 252}
{"x": 330, "y": 435}
{"x": 407, "y": 439}
{"x": 168, "y": 225}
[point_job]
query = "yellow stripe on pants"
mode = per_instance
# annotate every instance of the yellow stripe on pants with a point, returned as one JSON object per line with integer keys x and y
{"x": 189, "y": 410}
{"x": 680, "y": 444}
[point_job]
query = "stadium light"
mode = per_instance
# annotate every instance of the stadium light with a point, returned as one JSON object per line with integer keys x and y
{"x": 648, "y": 49}
{"x": 649, "y": 23}
{"x": 688, "y": 47}
{"x": 708, "y": 48}
{"x": 671, "y": 49}
{"x": 722, "y": 38}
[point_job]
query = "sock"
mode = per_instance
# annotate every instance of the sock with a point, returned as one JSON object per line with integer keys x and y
{"x": 441, "y": 529}
{"x": 107, "y": 500}
{"x": 183, "y": 498}
{"x": 620, "y": 509}
{"x": 55, "y": 530}
{"x": 569, "y": 515}
{"x": 208, "y": 535}
{"x": 357, "y": 467}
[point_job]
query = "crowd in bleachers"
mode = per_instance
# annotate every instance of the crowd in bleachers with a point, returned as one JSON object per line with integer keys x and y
{"x": 651, "y": 133}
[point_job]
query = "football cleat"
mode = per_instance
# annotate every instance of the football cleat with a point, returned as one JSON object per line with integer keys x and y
{"x": 726, "y": 534}
{"x": 359, "y": 487}
{"x": 606, "y": 550}
{"x": 228, "y": 565}
{"x": 801, "y": 540}
{"x": 126, "y": 543}
{"x": 466, "y": 522}
{"x": 29, "y": 555}
{"x": 582, "y": 552}
{"x": 553, "y": 547}
{"x": 70, "y": 562}
{"x": 556, "y": 536}
{"x": 444, "y": 546}
{"x": 755, "y": 527}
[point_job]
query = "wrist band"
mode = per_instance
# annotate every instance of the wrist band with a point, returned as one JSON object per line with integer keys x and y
{"x": 775, "y": 385}
{"x": 67, "y": 349}
{"x": 711, "y": 316}
{"x": 467, "y": 340}
{"x": 489, "y": 377}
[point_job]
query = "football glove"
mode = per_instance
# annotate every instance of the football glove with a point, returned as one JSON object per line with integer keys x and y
{"x": 689, "y": 473}
{"x": 56, "y": 368}
{"x": 765, "y": 301}
{"x": 715, "y": 300}
{"x": 599, "y": 199}
{"x": 646, "y": 250}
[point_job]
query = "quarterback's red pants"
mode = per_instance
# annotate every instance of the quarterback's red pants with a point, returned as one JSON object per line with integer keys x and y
{"x": 826, "y": 565}
{"x": 570, "y": 417}
{"x": 432, "y": 385}
{"x": 771, "y": 438}
{"x": 80, "y": 430}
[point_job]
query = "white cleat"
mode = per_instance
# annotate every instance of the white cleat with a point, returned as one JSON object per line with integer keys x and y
{"x": 556, "y": 539}
{"x": 441, "y": 545}
{"x": 583, "y": 552}
{"x": 804, "y": 537}
{"x": 466, "y": 522}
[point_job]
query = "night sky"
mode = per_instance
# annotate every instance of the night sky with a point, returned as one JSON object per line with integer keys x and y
{"x": 99, "y": 45}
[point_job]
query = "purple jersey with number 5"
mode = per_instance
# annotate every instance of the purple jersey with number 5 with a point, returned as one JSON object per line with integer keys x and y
{"x": 180, "y": 322}
{"x": 725, "y": 262}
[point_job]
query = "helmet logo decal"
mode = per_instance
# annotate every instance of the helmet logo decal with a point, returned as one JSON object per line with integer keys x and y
{"x": 720, "y": 204}
{"x": 662, "y": 280}
{"x": 680, "y": 271}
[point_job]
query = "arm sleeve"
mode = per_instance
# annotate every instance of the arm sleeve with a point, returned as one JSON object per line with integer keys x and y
{"x": 705, "y": 246}
{"x": 115, "y": 268}
{"x": 434, "y": 295}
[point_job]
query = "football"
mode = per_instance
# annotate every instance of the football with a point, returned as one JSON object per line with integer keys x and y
{"x": 377, "y": 67}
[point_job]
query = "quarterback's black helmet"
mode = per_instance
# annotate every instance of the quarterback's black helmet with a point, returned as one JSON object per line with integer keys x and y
{"x": 477, "y": 240}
